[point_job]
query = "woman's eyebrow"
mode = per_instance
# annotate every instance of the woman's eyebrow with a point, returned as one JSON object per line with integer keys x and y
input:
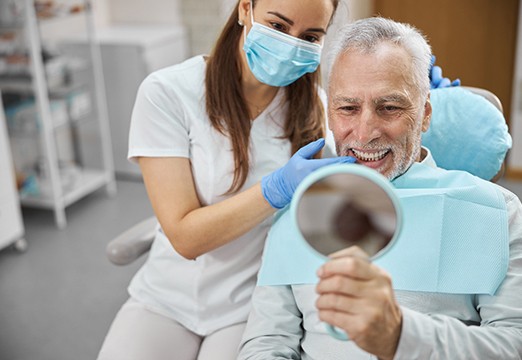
{"x": 291, "y": 23}
{"x": 281, "y": 16}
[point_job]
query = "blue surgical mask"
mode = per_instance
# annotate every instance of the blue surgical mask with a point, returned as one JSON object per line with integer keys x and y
{"x": 276, "y": 58}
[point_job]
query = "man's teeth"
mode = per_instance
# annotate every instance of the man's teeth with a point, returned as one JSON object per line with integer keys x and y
{"x": 367, "y": 156}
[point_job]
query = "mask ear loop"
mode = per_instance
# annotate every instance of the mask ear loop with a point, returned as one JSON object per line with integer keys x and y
{"x": 252, "y": 12}
{"x": 251, "y": 19}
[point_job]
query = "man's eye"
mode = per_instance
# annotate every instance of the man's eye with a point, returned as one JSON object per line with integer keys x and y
{"x": 390, "y": 108}
{"x": 348, "y": 108}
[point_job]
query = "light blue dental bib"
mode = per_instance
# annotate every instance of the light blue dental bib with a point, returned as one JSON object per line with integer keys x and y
{"x": 454, "y": 238}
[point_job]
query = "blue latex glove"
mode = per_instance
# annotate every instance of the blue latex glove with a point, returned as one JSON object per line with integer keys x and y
{"x": 279, "y": 186}
{"x": 436, "y": 79}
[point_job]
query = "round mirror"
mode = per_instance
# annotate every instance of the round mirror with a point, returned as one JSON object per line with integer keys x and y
{"x": 345, "y": 205}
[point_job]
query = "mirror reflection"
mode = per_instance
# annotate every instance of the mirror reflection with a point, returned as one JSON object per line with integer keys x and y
{"x": 346, "y": 209}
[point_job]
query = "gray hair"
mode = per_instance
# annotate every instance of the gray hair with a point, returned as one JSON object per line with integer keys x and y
{"x": 366, "y": 35}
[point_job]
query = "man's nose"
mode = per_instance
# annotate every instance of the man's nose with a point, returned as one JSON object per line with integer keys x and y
{"x": 366, "y": 129}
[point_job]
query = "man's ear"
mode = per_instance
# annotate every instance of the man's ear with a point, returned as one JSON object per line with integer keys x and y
{"x": 427, "y": 115}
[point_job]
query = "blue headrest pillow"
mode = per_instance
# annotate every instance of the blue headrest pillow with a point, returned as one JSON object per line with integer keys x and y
{"x": 467, "y": 132}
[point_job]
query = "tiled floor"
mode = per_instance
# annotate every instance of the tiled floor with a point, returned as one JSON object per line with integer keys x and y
{"x": 57, "y": 299}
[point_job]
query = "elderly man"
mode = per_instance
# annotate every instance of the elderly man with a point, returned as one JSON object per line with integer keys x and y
{"x": 378, "y": 104}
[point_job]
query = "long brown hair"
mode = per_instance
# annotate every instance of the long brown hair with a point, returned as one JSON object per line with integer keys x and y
{"x": 229, "y": 113}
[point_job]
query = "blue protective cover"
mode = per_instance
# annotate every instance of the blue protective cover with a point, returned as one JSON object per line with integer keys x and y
{"x": 454, "y": 237}
{"x": 467, "y": 133}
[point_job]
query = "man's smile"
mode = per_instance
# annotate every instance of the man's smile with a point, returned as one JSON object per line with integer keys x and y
{"x": 368, "y": 156}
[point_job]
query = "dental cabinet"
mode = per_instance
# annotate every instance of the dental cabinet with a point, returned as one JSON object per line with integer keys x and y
{"x": 55, "y": 119}
{"x": 11, "y": 224}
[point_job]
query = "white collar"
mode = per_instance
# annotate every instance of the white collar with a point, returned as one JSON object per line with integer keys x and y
{"x": 428, "y": 158}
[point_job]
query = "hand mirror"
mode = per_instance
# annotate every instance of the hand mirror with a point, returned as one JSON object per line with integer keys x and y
{"x": 344, "y": 205}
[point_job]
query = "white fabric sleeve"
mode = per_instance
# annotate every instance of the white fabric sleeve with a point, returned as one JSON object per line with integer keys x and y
{"x": 158, "y": 126}
{"x": 499, "y": 335}
{"x": 274, "y": 329}
{"x": 329, "y": 147}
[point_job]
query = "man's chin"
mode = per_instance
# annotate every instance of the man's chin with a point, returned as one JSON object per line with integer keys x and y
{"x": 384, "y": 166}
{"x": 392, "y": 174}
{"x": 389, "y": 172}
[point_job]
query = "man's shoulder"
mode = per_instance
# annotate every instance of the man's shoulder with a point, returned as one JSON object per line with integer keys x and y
{"x": 509, "y": 196}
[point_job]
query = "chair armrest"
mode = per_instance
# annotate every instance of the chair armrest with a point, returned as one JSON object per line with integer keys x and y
{"x": 132, "y": 243}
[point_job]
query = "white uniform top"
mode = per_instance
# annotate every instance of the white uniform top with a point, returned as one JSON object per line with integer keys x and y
{"x": 169, "y": 119}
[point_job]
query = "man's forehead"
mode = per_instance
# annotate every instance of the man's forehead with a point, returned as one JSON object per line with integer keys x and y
{"x": 396, "y": 97}
{"x": 384, "y": 51}
{"x": 386, "y": 60}
{"x": 376, "y": 82}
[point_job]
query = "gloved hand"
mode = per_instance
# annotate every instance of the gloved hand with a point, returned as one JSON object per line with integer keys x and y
{"x": 436, "y": 79}
{"x": 279, "y": 186}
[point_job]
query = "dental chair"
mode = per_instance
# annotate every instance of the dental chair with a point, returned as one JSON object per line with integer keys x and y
{"x": 454, "y": 138}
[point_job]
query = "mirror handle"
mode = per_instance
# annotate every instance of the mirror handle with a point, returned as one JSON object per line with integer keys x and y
{"x": 336, "y": 332}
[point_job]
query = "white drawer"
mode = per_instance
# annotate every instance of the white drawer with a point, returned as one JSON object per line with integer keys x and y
{"x": 11, "y": 226}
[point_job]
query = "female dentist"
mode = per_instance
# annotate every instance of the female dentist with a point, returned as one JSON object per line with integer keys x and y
{"x": 205, "y": 134}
